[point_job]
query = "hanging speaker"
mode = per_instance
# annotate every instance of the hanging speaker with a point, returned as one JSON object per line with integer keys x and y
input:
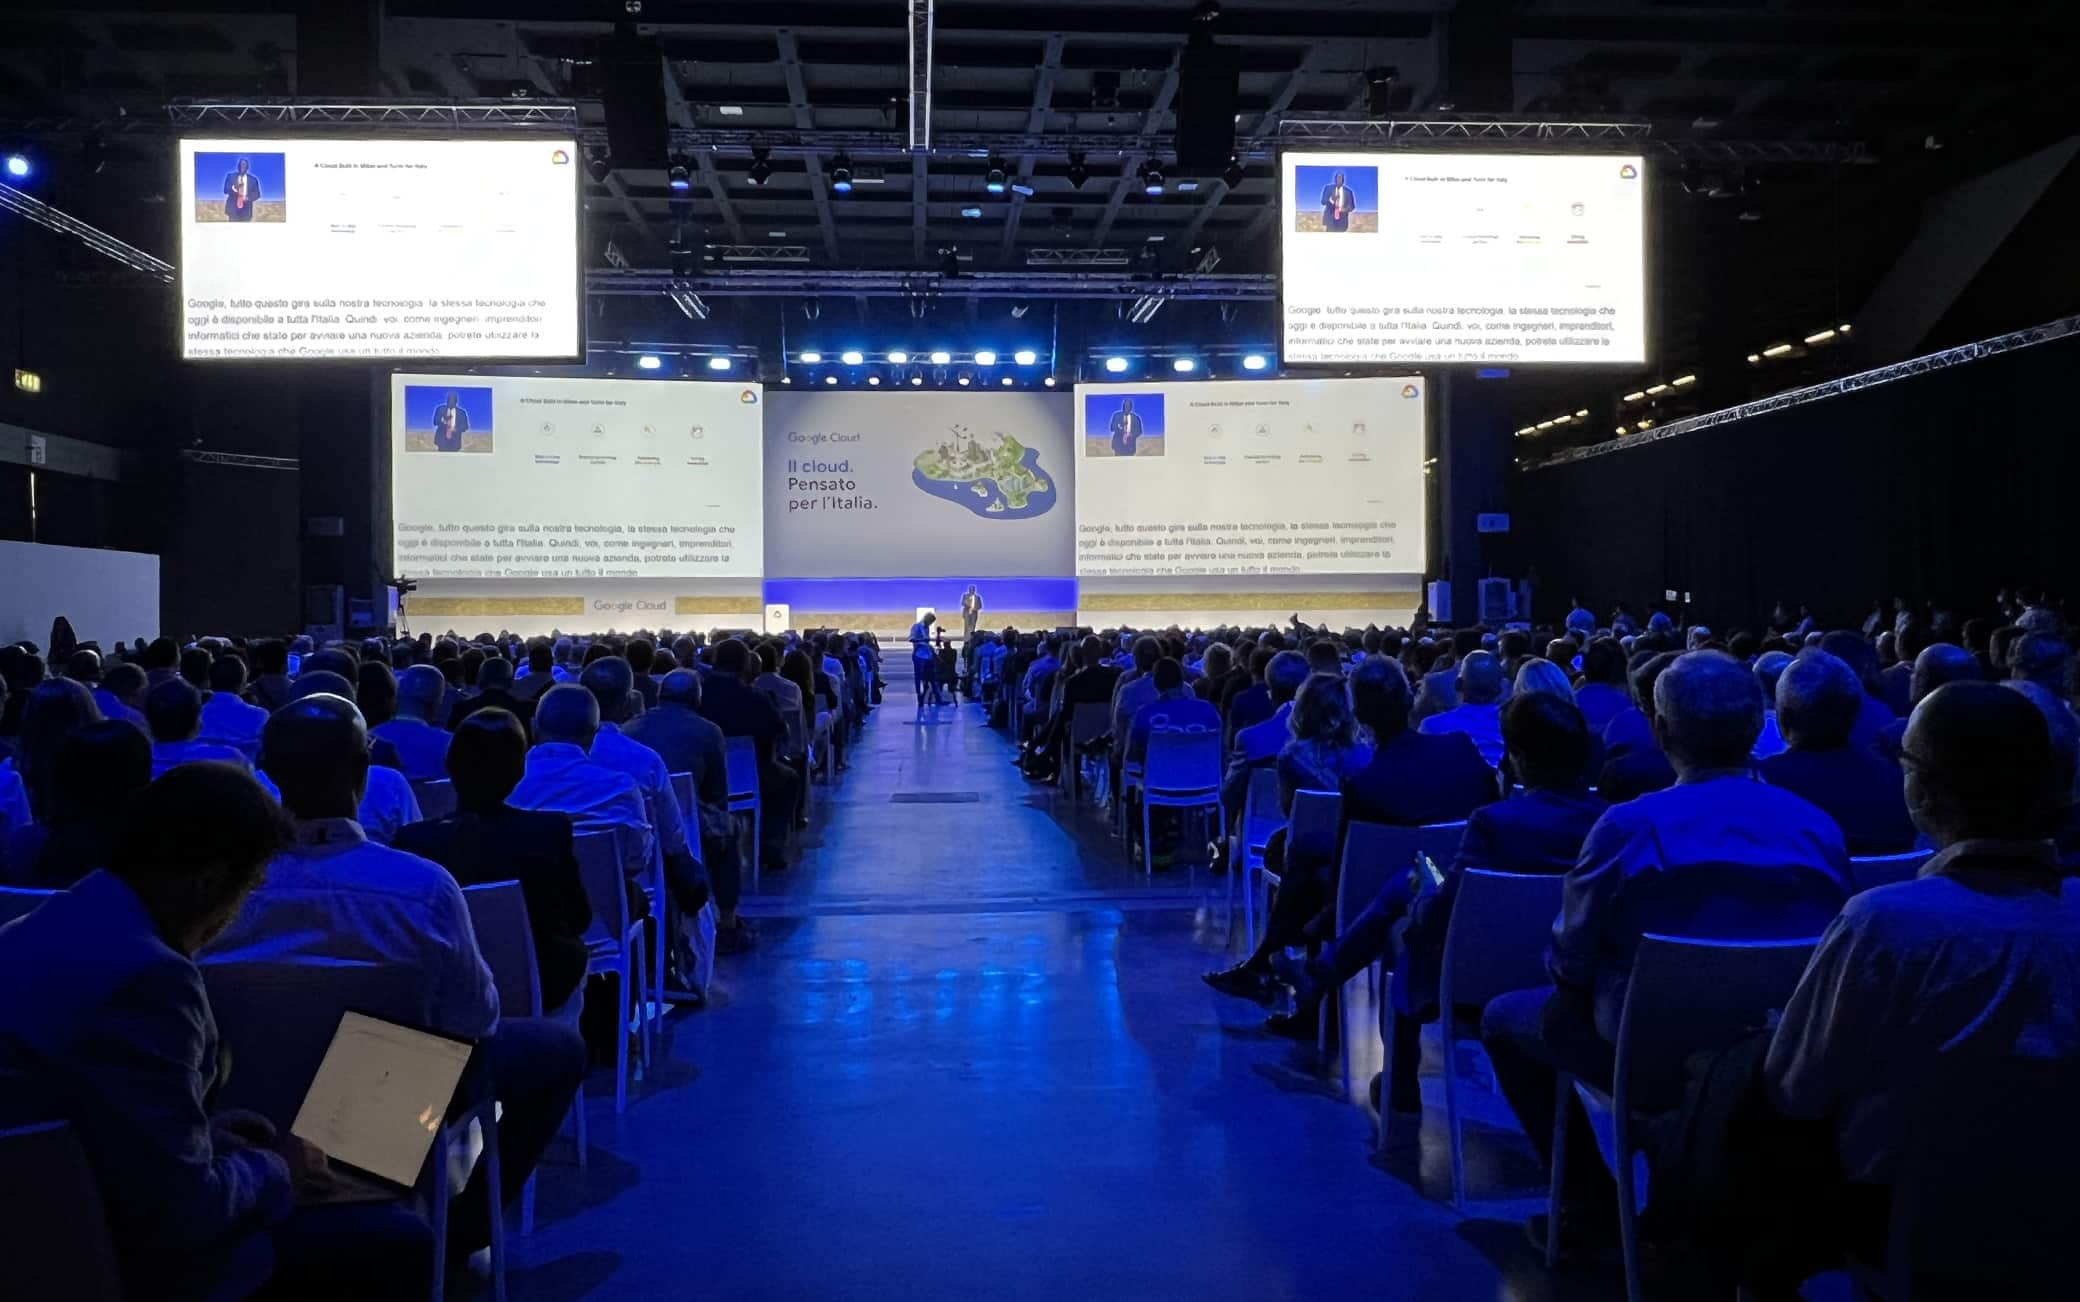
{"x": 1207, "y": 76}
{"x": 631, "y": 88}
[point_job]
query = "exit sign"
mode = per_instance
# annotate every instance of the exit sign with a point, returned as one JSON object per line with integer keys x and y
{"x": 27, "y": 381}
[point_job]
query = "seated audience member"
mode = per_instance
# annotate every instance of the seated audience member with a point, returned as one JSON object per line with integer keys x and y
{"x": 1873, "y": 715}
{"x": 1250, "y": 702}
{"x": 1896, "y": 680}
{"x": 1719, "y": 855}
{"x": 1259, "y": 744}
{"x": 488, "y": 840}
{"x": 20, "y": 671}
{"x": 1091, "y": 684}
{"x": 612, "y": 685}
{"x": 1213, "y": 673}
{"x": 541, "y": 673}
{"x": 2039, "y": 658}
{"x": 335, "y": 897}
{"x": 1601, "y": 695}
{"x": 387, "y": 802}
{"x": 1540, "y": 831}
{"x": 173, "y": 712}
{"x": 1134, "y": 689}
{"x": 1641, "y": 768}
{"x": 494, "y": 692}
{"x": 1818, "y": 699}
{"x": 99, "y": 767}
{"x": 194, "y": 667}
{"x": 270, "y": 685}
{"x": 226, "y": 719}
{"x": 1632, "y": 728}
{"x": 51, "y": 711}
{"x": 641, "y": 654}
{"x": 415, "y": 727}
{"x": 560, "y": 774}
{"x": 1479, "y": 712}
{"x": 1971, "y": 960}
{"x": 121, "y": 694}
{"x": 1938, "y": 663}
{"x": 105, "y": 1023}
{"x": 1327, "y": 743}
{"x": 375, "y": 691}
{"x": 731, "y": 703}
{"x": 1175, "y": 709}
{"x": 1769, "y": 667}
{"x": 1325, "y": 657}
{"x": 1410, "y": 780}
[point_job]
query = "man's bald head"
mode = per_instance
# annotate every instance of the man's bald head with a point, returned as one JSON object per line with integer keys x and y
{"x": 680, "y": 687}
{"x": 1980, "y": 763}
{"x": 1942, "y": 663}
{"x": 420, "y": 691}
{"x": 611, "y": 681}
{"x": 566, "y": 713}
{"x": 315, "y": 750}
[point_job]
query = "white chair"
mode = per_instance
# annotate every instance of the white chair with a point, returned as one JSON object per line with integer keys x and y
{"x": 1372, "y": 854}
{"x": 498, "y": 916}
{"x": 53, "y": 1230}
{"x": 436, "y": 798}
{"x": 1090, "y": 724}
{"x": 276, "y": 1020}
{"x": 614, "y": 942}
{"x": 1885, "y": 869}
{"x": 741, "y": 756}
{"x": 20, "y": 901}
{"x": 1684, "y": 995}
{"x": 682, "y": 788}
{"x": 1183, "y": 771}
{"x": 1261, "y": 817}
{"x": 1311, "y": 827}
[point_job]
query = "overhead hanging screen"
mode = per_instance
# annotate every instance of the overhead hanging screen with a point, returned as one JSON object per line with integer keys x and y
{"x": 1393, "y": 258}
{"x": 301, "y": 248}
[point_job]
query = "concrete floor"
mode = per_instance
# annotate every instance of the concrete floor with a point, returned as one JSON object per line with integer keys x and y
{"x": 973, "y": 1060}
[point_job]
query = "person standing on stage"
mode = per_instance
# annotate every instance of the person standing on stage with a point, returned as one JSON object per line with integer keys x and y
{"x": 241, "y": 192}
{"x": 971, "y": 614}
{"x": 924, "y": 662}
{"x": 1337, "y": 202}
{"x": 1125, "y": 429}
{"x": 450, "y": 423}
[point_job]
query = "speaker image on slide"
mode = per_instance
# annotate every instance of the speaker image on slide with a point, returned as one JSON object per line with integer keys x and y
{"x": 440, "y": 419}
{"x": 249, "y": 187}
{"x": 1123, "y": 425}
{"x": 1335, "y": 198}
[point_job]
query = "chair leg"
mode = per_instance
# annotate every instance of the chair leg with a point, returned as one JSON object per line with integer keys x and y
{"x": 1148, "y": 845}
{"x": 438, "y": 1214}
{"x": 1628, "y": 1209}
{"x": 527, "y": 1207}
{"x": 1454, "y": 1125}
{"x": 578, "y": 1112}
{"x": 643, "y": 992}
{"x": 621, "y": 1039}
{"x": 1249, "y": 901}
{"x": 493, "y": 1190}
{"x": 1386, "y": 1071}
{"x": 1563, "y": 1099}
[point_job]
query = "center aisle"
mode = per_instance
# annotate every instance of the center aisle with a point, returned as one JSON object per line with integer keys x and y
{"x": 972, "y": 1059}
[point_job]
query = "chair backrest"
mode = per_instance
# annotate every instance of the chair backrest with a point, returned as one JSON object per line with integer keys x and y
{"x": 1182, "y": 761}
{"x": 1496, "y": 940}
{"x": 682, "y": 785}
{"x": 1688, "y": 994}
{"x": 53, "y": 1230}
{"x": 601, "y": 851}
{"x": 1261, "y": 815}
{"x": 1373, "y": 853}
{"x": 1885, "y": 869}
{"x": 498, "y": 914}
{"x": 436, "y": 798}
{"x": 1441, "y": 841}
{"x": 1091, "y": 722}
{"x": 276, "y": 1020}
{"x": 741, "y": 765}
{"x": 20, "y": 902}
{"x": 1312, "y": 824}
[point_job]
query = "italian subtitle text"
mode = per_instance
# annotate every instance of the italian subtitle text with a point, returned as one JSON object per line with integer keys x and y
{"x": 1484, "y": 332}
{"x": 1282, "y": 547}
{"x": 450, "y": 550}
{"x": 341, "y": 326}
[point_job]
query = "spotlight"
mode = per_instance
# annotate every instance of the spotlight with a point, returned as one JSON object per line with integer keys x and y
{"x": 679, "y": 179}
{"x": 811, "y": 357}
{"x": 1151, "y": 178}
{"x": 985, "y": 358}
{"x": 648, "y": 362}
{"x": 18, "y": 166}
{"x": 874, "y": 380}
{"x": 1025, "y": 357}
{"x": 940, "y": 357}
{"x": 1254, "y": 362}
{"x": 899, "y": 357}
{"x": 852, "y": 357}
{"x": 1234, "y": 173}
{"x": 1007, "y": 381}
{"x": 761, "y": 171}
{"x": 997, "y": 178}
{"x": 1049, "y": 381}
{"x": 916, "y": 378}
{"x": 718, "y": 363}
{"x": 599, "y": 165}
{"x": 1115, "y": 364}
{"x": 950, "y": 261}
{"x": 1078, "y": 173}
{"x": 841, "y": 173}
{"x": 1184, "y": 365}
{"x": 830, "y": 379}
{"x": 964, "y": 380}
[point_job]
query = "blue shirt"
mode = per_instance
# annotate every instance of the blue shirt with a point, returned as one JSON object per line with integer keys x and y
{"x": 421, "y": 748}
{"x": 1179, "y": 712}
{"x": 1720, "y": 855}
{"x": 1482, "y": 724}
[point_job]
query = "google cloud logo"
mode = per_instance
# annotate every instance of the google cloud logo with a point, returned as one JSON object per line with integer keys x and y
{"x": 559, "y": 157}
{"x": 1628, "y": 173}
{"x": 1409, "y": 391}
{"x": 748, "y": 397}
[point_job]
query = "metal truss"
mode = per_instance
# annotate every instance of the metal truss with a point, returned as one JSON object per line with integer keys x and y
{"x": 920, "y": 74}
{"x": 759, "y": 252}
{"x": 100, "y": 241}
{"x": 804, "y": 142}
{"x": 2062, "y": 328}
{"x": 453, "y": 115}
{"x": 896, "y": 283}
{"x": 1546, "y": 134}
{"x": 203, "y": 456}
{"x": 1053, "y": 257}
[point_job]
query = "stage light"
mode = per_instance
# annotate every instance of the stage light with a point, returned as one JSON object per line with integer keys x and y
{"x": 830, "y": 379}
{"x": 874, "y": 380}
{"x": 1682, "y": 380}
{"x": 1254, "y": 362}
{"x": 1025, "y": 357}
{"x": 1776, "y": 350}
{"x": 1637, "y": 395}
{"x": 599, "y": 166}
{"x": 1583, "y": 414}
{"x": 1234, "y": 173}
{"x": 963, "y": 381}
{"x": 917, "y": 379}
{"x": 1844, "y": 328}
{"x": 971, "y": 212}
{"x": 1820, "y": 338}
{"x": 760, "y": 171}
{"x": 648, "y": 362}
{"x": 18, "y": 166}
{"x": 852, "y": 357}
{"x": 1184, "y": 365}
{"x": 1049, "y": 381}
{"x": 718, "y": 363}
{"x": 1754, "y": 358}
{"x": 899, "y": 357}
{"x": 1007, "y": 381}
{"x": 841, "y": 174}
{"x": 940, "y": 357}
{"x": 1115, "y": 364}
{"x": 997, "y": 178}
{"x": 1657, "y": 390}
{"x": 812, "y": 357}
{"x": 787, "y": 379}
{"x": 1078, "y": 173}
{"x": 985, "y": 358}
{"x": 950, "y": 261}
{"x": 679, "y": 179}
{"x": 1151, "y": 178}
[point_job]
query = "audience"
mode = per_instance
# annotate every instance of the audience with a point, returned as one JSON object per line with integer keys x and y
{"x": 1637, "y": 766}
{"x": 1818, "y": 699}
{"x": 1412, "y": 778}
{"x": 173, "y": 712}
{"x": 417, "y": 727}
{"x": 228, "y": 720}
{"x": 1479, "y": 712}
{"x": 99, "y": 767}
{"x": 731, "y": 703}
{"x": 1260, "y": 744}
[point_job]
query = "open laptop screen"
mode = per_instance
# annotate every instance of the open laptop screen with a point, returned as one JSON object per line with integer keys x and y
{"x": 380, "y": 1095}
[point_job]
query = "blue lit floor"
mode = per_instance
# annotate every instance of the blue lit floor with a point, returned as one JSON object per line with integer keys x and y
{"x": 973, "y": 1060}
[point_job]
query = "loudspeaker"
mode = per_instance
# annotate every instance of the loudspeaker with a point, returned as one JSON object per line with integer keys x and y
{"x": 1207, "y": 76}
{"x": 631, "y": 87}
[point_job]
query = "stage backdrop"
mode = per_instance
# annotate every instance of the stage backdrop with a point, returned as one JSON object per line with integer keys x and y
{"x": 878, "y": 502}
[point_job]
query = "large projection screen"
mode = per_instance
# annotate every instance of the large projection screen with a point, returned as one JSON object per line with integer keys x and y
{"x": 1395, "y": 258}
{"x": 313, "y": 248}
{"x": 523, "y": 477}
{"x": 1263, "y": 477}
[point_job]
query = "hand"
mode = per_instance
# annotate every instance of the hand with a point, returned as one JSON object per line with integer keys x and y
{"x": 241, "y": 1128}
{"x": 307, "y": 1165}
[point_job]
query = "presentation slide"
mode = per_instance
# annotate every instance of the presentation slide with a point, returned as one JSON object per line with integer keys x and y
{"x": 314, "y": 248}
{"x": 880, "y": 485}
{"x": 1250, "y": 477}
{"x": 1394, "y": 258}
{"x": 520, "y": 477}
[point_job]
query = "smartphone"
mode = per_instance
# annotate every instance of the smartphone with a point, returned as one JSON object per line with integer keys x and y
{"x": 295, "y": 665}
{"x": 1431, "y": 870}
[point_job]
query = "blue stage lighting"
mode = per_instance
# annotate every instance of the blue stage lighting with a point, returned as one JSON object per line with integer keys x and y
{"x": 985, "y": 358}
{"x": 1184, "y": 364}
{"x": 1115, "y": 364}
{"x": 940, "y": 357}
{"x": 898, "y": 357}
{"x": 648, "y": 362}
{"x": 718, "y": 363}
{"x": 852, "y": 357}
{"x": 1025, "y": 357}
{"x": 811, "y": 357}
{"x": 1254, "y": 362}
{"x": 18, "y": 166}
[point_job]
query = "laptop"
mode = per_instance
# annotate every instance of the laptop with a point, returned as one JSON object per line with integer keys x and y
{"x": 378, "y": 1099}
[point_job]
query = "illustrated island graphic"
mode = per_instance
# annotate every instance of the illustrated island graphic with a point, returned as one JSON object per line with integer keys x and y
{"x": 999, "y": 481}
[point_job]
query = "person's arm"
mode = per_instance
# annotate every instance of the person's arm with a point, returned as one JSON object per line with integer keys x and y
{"x": 1822, "y": 1051}
{"x": 1588, "y": 900}
{"x": 1431, "y": 912}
